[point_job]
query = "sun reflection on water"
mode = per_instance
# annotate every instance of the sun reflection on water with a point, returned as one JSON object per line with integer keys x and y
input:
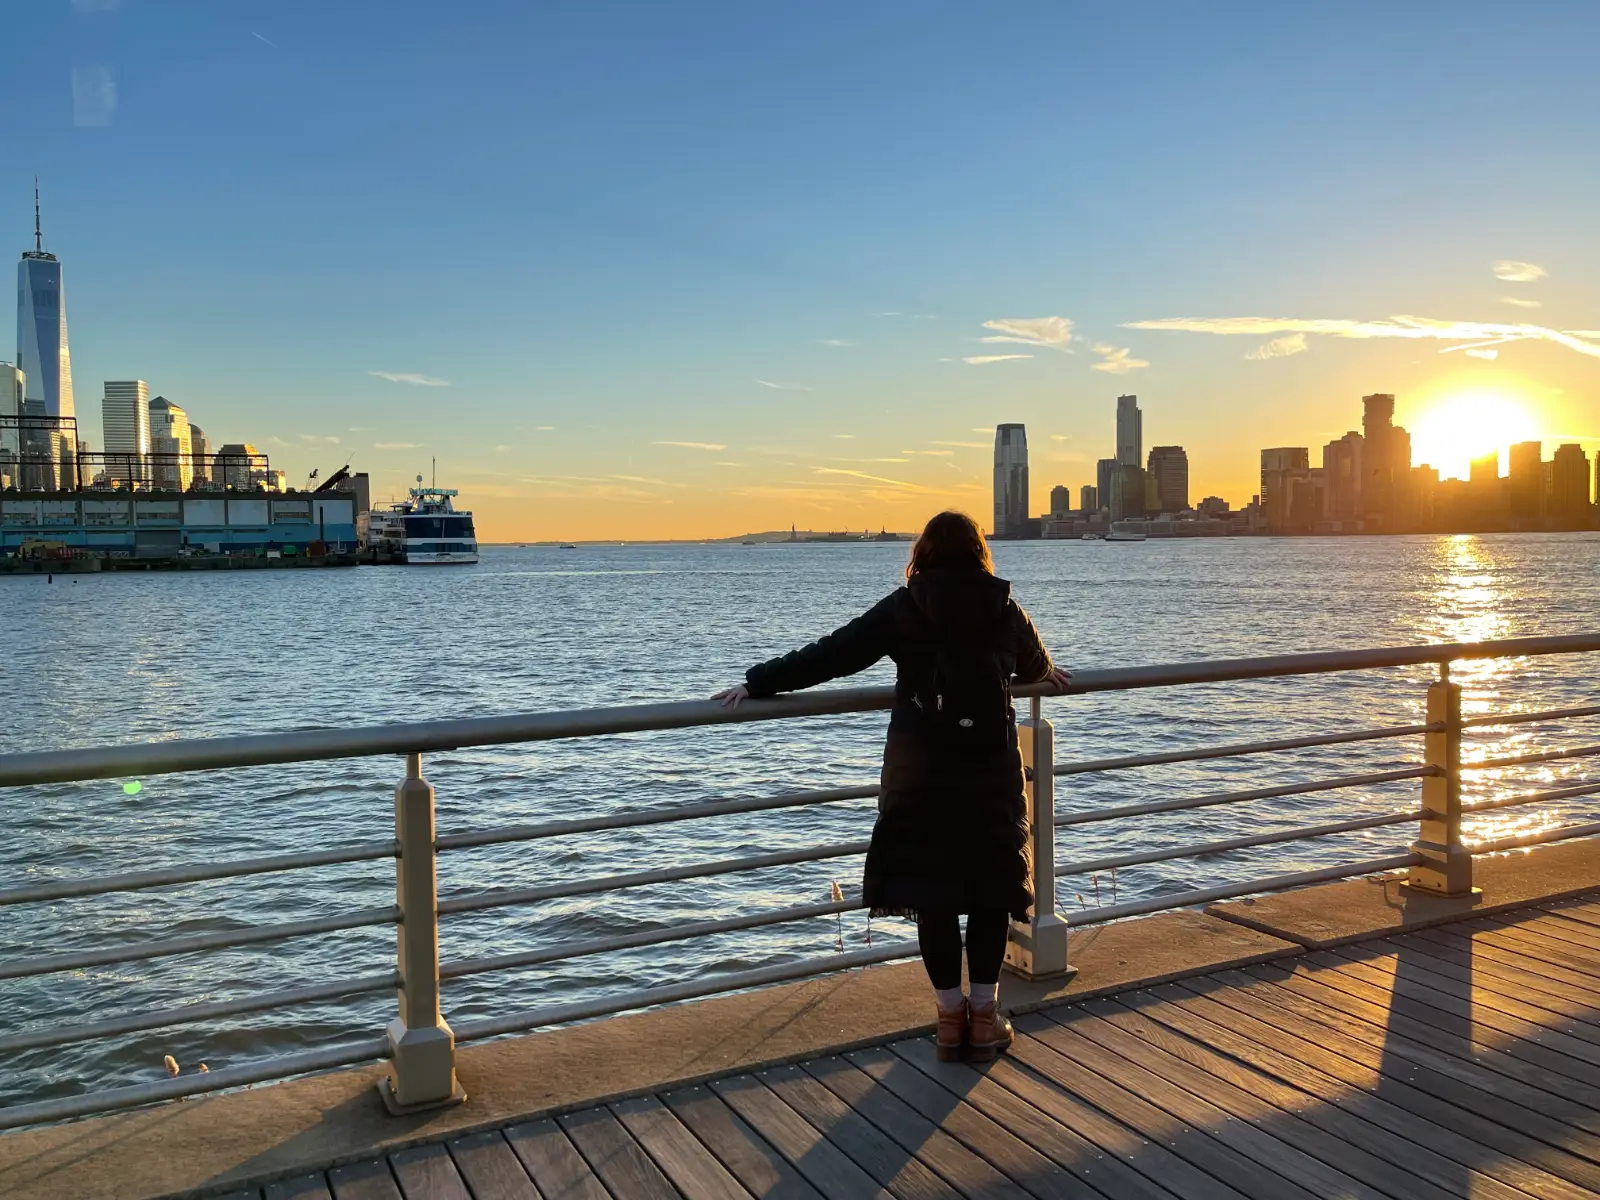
{"x": 1472, "y": 602}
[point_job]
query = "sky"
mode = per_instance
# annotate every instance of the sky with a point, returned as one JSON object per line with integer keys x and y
{"x": 632, "y": 270}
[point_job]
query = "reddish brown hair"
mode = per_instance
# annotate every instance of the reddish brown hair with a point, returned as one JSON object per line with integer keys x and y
{"x": 951, "y": 539}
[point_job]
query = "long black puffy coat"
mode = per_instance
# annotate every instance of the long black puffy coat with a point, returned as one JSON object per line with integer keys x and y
{"x": 952, "y": 829}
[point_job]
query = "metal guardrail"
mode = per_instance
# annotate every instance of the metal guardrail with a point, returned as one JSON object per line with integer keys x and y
{"x": 420, "y": 1044}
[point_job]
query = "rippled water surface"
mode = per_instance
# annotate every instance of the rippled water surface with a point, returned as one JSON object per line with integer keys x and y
{"x": 125, "y": 657}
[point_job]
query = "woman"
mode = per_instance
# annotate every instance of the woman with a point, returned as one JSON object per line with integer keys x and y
{"x": 952, "y": 830}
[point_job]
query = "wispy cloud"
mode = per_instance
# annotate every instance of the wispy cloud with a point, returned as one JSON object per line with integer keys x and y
{"x": 1054, "y": 333}
{"x": 503, "y": 448}
{"x": 727, "y": 464}
{"x": 641, "y": 479}
{"x": 544, "y": 428}
{"x": 1464, "y": 334}
{"x": 1521, "y": 302}
{"x": 932, "y": 453}
{"x": 968, "y": 445}
{"x": 693, "y": 445}
{"x": 876, "y": 460}
{"x": 313, "y": 437}
{"x": 1284, "y": 347}
{"x": 899, "y": 483}
{"x": 268, "y": 41}
{"x": 844, "y": 436}
{"x": 783, "y": 387}
{"x": 1489, "y": 355}
{"x": 1512, "y": 270}
{"x": 410, "y": 377}
{"x": 983, "y": 360}
{"x": 1115, "y": 359}
{"x": 94, "y": 96}
{"x": 1058, "y": 437}
{"x": 398, "y": 445}
{"x": 835, "y": 342}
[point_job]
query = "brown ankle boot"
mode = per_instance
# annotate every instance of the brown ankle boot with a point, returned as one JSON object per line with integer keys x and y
{"x": 952, "y": 1035}
{"x": 989, "y": 1033}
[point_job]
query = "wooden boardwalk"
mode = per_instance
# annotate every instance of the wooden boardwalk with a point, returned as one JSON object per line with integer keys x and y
{"x": 1457, "y": 1061}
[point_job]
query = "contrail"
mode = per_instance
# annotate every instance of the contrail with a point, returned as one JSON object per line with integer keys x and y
{"x": 269, "y": 41}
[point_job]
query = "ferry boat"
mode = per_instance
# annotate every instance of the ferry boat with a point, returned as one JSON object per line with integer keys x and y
{"x": 1131, "y": 530}
{"x": 426, "y": 528}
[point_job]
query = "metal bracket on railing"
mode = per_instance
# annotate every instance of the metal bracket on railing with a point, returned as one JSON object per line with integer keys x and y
{"x": 422, "y": 1048}
{"x": 1446, "y": 866}
{"x": 1038, "y": 946}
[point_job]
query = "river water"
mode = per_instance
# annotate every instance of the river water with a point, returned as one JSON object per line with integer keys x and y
{"x": 123, "y": 657}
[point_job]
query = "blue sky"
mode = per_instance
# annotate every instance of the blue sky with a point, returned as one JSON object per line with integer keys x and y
{"x": 574, "y": 232}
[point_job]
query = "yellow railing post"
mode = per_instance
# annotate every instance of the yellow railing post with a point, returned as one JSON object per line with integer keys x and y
{"x": 1446, "y": 869}
{"x": 1038, "y": 946}
{"x": 422, "y": 1049}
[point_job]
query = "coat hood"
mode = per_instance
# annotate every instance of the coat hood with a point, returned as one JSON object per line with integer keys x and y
{"x": 955, "y": 599}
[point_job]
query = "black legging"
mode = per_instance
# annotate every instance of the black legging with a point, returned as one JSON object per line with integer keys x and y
{"x": 939, "y": 936}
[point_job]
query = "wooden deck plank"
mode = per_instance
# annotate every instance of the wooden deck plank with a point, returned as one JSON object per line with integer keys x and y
{"x": 1197, "y": 1147}
{"x": 823, "y": 1164}
{"x": 428, "y": 1173}
{"x": 303, "y": 1187}
{"x": 253, "y": 1194}
{"x": 1264, "y": 1165}
{"x": 1006, "y": 1152}
{"x": 682, "y": 1157}
{"x": 1557, "y": 925}
{"x": 1457, "y": 1133}
{"x": 553, "y": 1162}
{"x": 761, "y": 1169}
{"x": 1407, "y": 1012}
{"x": 1460, "y": 1000}
{"x": 1545, "y": 949}
{"x": 964, "y": 1170}
{"x": 1062, "y": 1145}
{"x": 626, "y": 1170}
{"x": 490, "y": 1168}
{"x": 1361, "y": 1147}
{"x": 1485, "y": 950}
{"x": 1420, "y": 970}
{"x": 1576, "y": 1002}
{"x": 1150, "y": 1157}
{"x": 1470, "y": 1068}
{"x": 370, "y": 1180}
{"x": 1585, "y": 910}
{"x": 869, "y": 1147}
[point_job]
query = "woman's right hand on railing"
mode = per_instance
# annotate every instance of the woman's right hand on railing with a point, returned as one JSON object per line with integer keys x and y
{"x": 732, "y": 697}
{"x": 1061, "y": 677}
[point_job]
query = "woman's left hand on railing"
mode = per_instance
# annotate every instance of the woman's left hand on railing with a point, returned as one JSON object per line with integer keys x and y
{"x": 732, "y": 697}
{"x": 1061, "y": 677}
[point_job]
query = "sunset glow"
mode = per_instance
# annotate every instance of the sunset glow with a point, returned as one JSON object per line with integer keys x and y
{"x": 1453, "y": 432}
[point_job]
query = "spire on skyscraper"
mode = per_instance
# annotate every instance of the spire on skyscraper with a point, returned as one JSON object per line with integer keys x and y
{"x": 38, "y": 231}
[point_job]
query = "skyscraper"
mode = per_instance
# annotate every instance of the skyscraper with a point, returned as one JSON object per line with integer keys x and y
{"x": 1130, "y": 432}
{"x": 1089, "y": 499}
{"x": 11, "y": 387}
{"x": 1278, "y": 466}
{"x": 1344, "y": 475}
{"x": 1104, "y": 469}
{"x": 125, "y": 424}
{"x": 200, "y": 447}
{"x": 1527, "y": 479}
{"x": 1169, "y": 468}
{"x": 1569, "y": 483}
{"x": 170, "y": 448}
{"x": 1060, "y": 499}
{"x": 1010, "y": 481}
{"x": 42, "y": 328}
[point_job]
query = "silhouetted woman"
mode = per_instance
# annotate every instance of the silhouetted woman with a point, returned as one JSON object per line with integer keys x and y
{"x": 952, "y": 830}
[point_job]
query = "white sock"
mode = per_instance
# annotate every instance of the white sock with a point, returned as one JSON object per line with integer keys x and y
{"x": 949, "y": 998}
{"x": 985, "y": 995}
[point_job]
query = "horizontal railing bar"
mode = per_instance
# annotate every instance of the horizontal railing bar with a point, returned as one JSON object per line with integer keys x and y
{"x": 648, "y": 816}
{"x": 1289, "y": 789}
{"x": 189, "y": 1014}
{"x": 22, "y": 968}
{"x": 633, "y": 941}
{"x": 63, "y": 889}
{"x": 1274, "y": 883}
{"x": 1521, "y": 798}
{"x": 610, "y": 883}
{"x": 1549, "y": 714}
{"x": 1095, "y": 765}
{"x": 1559, "y": 833}
{"x": 1519, "y": 760}
{"x": 209, "y": 754}
{"x": 302, "y": 1063}
{"x": 1139, "y": 859}
{"x": 583, "y": 1010}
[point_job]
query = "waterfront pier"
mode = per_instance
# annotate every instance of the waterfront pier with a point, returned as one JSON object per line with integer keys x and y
{"x": 1417, "y": 1023}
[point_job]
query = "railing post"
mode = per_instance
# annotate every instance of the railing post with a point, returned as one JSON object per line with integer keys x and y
{"x": 421, "y": 1047}
{"x": 1038, "y": 946}
{"x": 1446, "y": 869}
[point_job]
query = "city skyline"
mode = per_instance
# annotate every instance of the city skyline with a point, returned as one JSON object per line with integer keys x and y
{"x": 603, "y": 326}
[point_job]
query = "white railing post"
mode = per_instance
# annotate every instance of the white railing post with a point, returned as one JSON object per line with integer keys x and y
{"x": 1446, "y": 869}
{"x": 1038, "y": 946}
{"x": 422, "y": 1049}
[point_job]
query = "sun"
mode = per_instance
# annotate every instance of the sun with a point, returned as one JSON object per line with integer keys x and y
{"x": 1469, "y": 425}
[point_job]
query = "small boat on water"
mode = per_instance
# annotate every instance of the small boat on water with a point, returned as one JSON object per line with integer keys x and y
{"x": 1092, "y": 537}
{"x": 426, "y": 528}
{"x": 1127, "y": 531}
